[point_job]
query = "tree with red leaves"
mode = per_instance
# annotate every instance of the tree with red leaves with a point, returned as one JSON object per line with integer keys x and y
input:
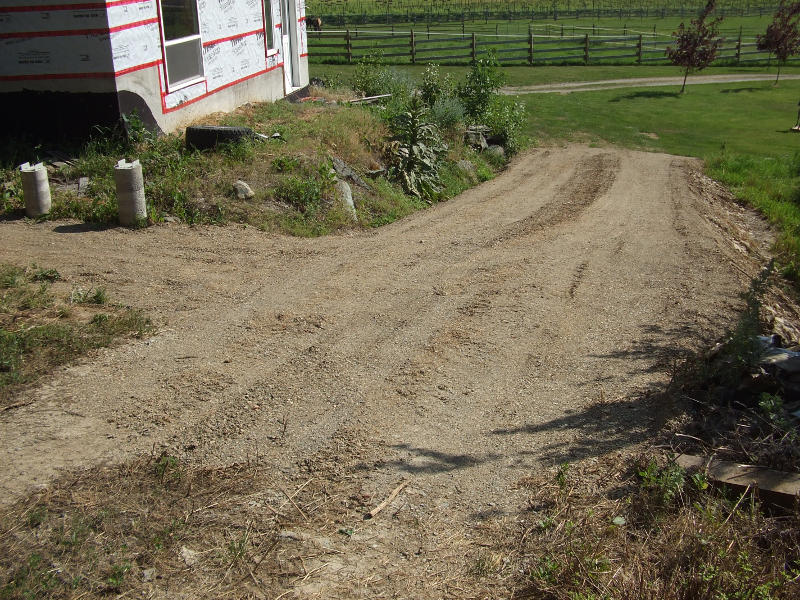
{"x": 782, "y": 37}
{"x": 696, "y": 46}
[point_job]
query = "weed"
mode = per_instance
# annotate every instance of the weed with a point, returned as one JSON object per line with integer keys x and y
{"x": 46, "y": 275}
{"x": 664, "y": 483}
{"x": 80, "y": 295}
{"x": 285, "y": 164}
{"x": 561, "y": 475}
{"x": 117, "y": 576}
{"x": 416, "y": 152}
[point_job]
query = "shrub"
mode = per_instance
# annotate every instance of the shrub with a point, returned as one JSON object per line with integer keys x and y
{"x": 434, "y": 87}
{"x": 480, "y": 86}
{"x": 373, "y": 78}
{"x": 506, "y": 117}
{"x": 447, "y": 112}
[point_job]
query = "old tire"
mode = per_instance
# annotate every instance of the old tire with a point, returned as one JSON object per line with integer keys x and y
{"x": 203, "y": 137}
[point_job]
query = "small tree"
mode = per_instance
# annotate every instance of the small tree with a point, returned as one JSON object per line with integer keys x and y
{"x": 696, "y": 46}
{"x": 782, "y": 37}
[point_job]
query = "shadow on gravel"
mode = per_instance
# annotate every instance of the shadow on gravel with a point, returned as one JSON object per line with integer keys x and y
{"x": 608, "y": 425}
{"x": 646, "y": 94}
{"x": 434, "y": 461}
{"x": 600, "y": 428}
{"x": 81, "y": 227}
{"x": 658, "y": 350}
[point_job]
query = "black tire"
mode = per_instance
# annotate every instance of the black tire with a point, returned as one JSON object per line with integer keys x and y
{"x": 203, "y": 137}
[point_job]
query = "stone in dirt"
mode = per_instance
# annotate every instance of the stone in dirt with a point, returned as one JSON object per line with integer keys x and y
{"x": 344, "y": 171}
{"x": 495, "y": 150}
{"x": 476, "y": 140}
{"x": 190, "y": 557}
{"x": 243, "y": 191}
{"x": 345, "y": 194}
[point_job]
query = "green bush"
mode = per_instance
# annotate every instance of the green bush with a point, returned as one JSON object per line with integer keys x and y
{"x": 435, "y": 87}
{"x": 481, "y": 85}
{"x": 447, "y": 112}
{"x": 506, "y": 118}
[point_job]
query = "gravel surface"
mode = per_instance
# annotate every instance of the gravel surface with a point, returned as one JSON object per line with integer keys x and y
{"x": 531, "y": 321}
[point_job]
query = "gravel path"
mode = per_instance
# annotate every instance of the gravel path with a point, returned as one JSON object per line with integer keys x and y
{"x": 464, "y": 346}
{"x": 611, "y": 84}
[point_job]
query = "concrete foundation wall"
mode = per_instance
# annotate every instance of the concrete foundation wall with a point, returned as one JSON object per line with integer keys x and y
{"x": 136, "y": 91}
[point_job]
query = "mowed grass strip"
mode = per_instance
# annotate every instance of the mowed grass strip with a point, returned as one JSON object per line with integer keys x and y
{"x": 41, "y": 329}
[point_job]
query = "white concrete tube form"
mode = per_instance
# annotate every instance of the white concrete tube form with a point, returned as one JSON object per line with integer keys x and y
{"x": 130, "y": 192}
{"x": 35, "y": 189}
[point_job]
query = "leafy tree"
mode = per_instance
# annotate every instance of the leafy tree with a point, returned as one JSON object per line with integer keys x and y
{"x": 782, "y": 37}
{"x": 696, "y": 46}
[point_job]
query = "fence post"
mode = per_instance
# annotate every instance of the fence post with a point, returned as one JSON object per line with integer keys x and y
{"x": 413, "y": 49}
{"x": 348, "y": 42}
{"x": 586, "y": 49}
{"x": 530, "y": 46}
{"x": 474, "y": 48}
{"x": 639, "y": 51}
{"x": 739, "y": 46}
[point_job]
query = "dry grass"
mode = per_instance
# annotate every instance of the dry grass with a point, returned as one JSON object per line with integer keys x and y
{"x": 156, "y": 523}
{"x": 641, "y": 529}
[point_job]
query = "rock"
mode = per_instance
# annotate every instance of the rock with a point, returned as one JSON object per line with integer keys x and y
{"x": 344, "y": 171}
{"x": 148, "y": 574}
{"x": 190, "y": 557}
{"x": 476, "y": 140}
{"x": 345, "y": 195}
{"x": 171, "y": 219}
{"x": 243, "y": 191}
{"x": 374, "y": 173}
{"x": 495, "y": 150}
{"x": 466, "y": 166}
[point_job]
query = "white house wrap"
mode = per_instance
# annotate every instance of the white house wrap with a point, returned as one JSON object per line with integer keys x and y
{"x": 170, "y": 60}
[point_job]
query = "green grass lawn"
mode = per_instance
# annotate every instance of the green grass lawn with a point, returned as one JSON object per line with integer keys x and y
{"x": 751, "y": 118}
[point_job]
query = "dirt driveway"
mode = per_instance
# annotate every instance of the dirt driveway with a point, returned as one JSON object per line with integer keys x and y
{"x": 464, "y": 346}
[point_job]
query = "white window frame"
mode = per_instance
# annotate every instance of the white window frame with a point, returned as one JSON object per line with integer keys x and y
{"x": 184, "y": 83}
{"x": 269, "y": 24}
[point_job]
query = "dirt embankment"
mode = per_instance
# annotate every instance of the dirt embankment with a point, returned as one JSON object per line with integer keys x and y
{"x": 464, "y": 346}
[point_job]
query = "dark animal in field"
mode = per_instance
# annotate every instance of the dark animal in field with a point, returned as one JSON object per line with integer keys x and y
{"x": 315, "y": 23}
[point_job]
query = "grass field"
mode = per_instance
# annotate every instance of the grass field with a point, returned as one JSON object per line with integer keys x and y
{"x": 520, "y": 76}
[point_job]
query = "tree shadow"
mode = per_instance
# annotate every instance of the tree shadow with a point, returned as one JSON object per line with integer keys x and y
{"x": 744, "y": 89}
{"x": 81, "y": 227}
{"x": 434, "y": 461}
{"x": 646, "y": 94}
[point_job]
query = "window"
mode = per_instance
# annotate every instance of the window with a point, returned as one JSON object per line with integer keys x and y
{"x": 269, "y": 28}
{"x": 182, "y": 47}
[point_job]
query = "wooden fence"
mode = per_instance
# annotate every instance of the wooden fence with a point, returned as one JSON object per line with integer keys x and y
{"x": 501, "y": 12}
{"x": 415, "y": 47}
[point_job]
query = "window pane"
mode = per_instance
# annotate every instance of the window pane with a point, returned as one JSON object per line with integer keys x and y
{"x": 184, "y": 61}
{"x": 180, "y": 18}
{"x": 268, "y": 23}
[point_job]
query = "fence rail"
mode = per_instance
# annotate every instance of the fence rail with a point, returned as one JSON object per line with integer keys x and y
{"x": 531, "y": 49}
{"x": 433, "y": 15}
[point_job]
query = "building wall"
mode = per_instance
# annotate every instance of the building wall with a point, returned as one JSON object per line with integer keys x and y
{"x": 107, "y": 45}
